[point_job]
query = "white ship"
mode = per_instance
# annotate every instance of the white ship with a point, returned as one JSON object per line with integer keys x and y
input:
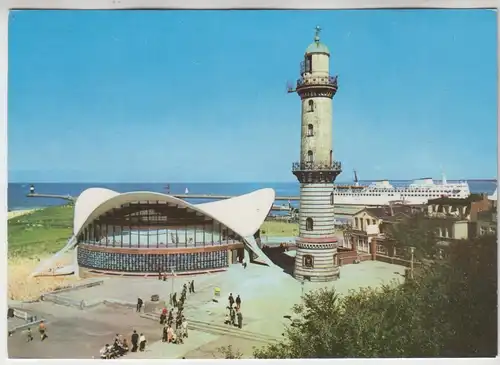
{"x": 383, "y": 193}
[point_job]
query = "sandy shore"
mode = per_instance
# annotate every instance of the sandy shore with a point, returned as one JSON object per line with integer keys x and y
{"x": 18, "y": 213}
{"x": 23, "y": 287}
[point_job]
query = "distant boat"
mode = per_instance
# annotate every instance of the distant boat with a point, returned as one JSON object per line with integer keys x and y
{"x": 186, "y": 191}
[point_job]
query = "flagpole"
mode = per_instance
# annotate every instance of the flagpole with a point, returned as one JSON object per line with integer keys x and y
{"x": 173, "y": 278}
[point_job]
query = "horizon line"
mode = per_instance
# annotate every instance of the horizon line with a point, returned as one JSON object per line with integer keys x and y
{"x": 231, "y": 182}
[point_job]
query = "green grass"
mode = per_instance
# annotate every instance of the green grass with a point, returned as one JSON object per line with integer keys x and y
{"x": 280, "y": 229}
{"x": 40, "y": 233}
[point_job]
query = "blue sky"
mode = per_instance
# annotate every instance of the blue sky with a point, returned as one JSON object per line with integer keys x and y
{"x": 165, "y": 96}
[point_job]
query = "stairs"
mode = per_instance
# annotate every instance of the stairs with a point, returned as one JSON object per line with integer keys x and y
{"x": 220, "y": 329}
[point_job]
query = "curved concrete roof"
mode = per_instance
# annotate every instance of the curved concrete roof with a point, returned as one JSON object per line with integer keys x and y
{"x": 242, "y": 214}
{"x": 493, "y": 196}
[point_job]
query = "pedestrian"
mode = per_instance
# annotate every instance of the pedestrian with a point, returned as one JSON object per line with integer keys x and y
{"x": 238, "y": 302}
{"x": 231, "y": 299}
{"x": 174, "y": 299}
{"x": 184, "y": 326}
{"x": 163, "y": 316}
{"x": 159, "y": 275}
{"x": 240, "y": 319}
{"x": 29, "y": 335}
{"x": 170, "y": 334}
{"x": 189, "y": 287}
{"x": 244, "y": 263}
{"x": 142, "y": 342}
{"x": 164, "y": 337}
{"x": 192, "y": 286}
{"x": 170, "y": 317}
{"x": 139, "y": 304}
{"x": 135, "y": 341}
{"x": 232, "y": 315}
{"x": 43, "y": 330}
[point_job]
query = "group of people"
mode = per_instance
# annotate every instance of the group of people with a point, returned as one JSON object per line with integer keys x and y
{"x": 42, "y": 329}
{"x": 173, "y": 331}
{"x": 176, "y": 329}
{"x": 120, "y": 346}
{"x": 179, "y": 304}
{"x": 234, "y": 317}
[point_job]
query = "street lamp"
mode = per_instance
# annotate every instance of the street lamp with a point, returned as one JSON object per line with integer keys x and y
{"x": 412, "y": 250}
{"x": 172, "y": 289}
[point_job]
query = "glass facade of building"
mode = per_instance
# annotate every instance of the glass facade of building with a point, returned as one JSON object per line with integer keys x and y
{"x": 152, "y": 236}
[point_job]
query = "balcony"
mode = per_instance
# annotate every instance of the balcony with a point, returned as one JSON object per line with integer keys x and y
{"x": 312, "y": 166}
{"x": 330, "y": 81}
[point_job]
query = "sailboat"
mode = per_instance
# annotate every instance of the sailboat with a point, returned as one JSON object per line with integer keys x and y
{"x": 186, "y": 191}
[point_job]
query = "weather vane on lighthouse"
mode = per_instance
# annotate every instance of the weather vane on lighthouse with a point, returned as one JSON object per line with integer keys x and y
{"x": 318, "y": 30}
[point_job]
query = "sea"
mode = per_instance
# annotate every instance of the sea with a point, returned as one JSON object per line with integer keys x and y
{"x": 17, "y": 199}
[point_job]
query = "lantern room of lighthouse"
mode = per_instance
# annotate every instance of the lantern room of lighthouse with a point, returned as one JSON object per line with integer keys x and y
{"x": 316, "y": 258}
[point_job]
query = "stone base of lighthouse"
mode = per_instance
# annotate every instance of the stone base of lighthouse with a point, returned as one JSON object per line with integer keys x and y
{"x": 316, "y": 261}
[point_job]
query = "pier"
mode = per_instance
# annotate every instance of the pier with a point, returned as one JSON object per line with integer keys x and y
{"x": 51, "y": 196}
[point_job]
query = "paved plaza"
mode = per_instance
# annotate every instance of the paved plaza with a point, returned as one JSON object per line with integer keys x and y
{"x": 267, "y": 295}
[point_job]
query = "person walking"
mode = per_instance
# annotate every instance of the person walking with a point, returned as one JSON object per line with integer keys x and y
{"x": 232, "y": 315}
{"x": 135, "y": 341}
{"x": 142, "y": 342}
{"x": 231, "y": 299}
{"x": 184, "y": 326}
{"x": 192, "y": 286}
{"x": 240, "y": 319}
{"x": 238, "y": 302}
{"x": 29, "y": 335}
{"x": 43, "y": 330}
{"x": 139, "y": 304}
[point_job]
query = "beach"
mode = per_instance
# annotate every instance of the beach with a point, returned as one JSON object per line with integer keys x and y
{"x": 18, "y": 213}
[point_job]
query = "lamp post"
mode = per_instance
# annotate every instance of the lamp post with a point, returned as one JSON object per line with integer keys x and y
{"x": 172, "y": 289}
{"x": 412, "y": 250}
{"x": 302, "y": 290}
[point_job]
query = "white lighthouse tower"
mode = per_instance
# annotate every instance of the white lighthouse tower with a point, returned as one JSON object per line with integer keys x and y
{"x": 316, "y": 258}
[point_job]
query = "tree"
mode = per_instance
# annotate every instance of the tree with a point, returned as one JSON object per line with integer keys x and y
{"x": 228, "y": 353}
{"x": 413, "y": 231}
{"x": 448, "y": 310}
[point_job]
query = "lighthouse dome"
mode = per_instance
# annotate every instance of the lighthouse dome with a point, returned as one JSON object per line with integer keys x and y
{"x": 317, "y": 47}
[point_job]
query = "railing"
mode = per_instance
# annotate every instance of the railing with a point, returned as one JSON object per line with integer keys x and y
{"x": 305, "y": 166}
{"x": 329, "y": 81}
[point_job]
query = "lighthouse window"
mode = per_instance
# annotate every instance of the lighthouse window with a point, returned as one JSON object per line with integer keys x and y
{"x": 311, "y": 105}
{"x": 310, "y": 157}
{"x": 310, "y": 130}
{"x": 331, "y": 198}
{"x": 309, "y": 224}
{"x": 308, "y": 63}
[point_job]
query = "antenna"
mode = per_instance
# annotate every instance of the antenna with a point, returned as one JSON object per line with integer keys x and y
{"x": 289, "y": 87}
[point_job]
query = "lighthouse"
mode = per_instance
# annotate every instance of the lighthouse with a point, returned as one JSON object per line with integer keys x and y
{"x": 316, "y": 256}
